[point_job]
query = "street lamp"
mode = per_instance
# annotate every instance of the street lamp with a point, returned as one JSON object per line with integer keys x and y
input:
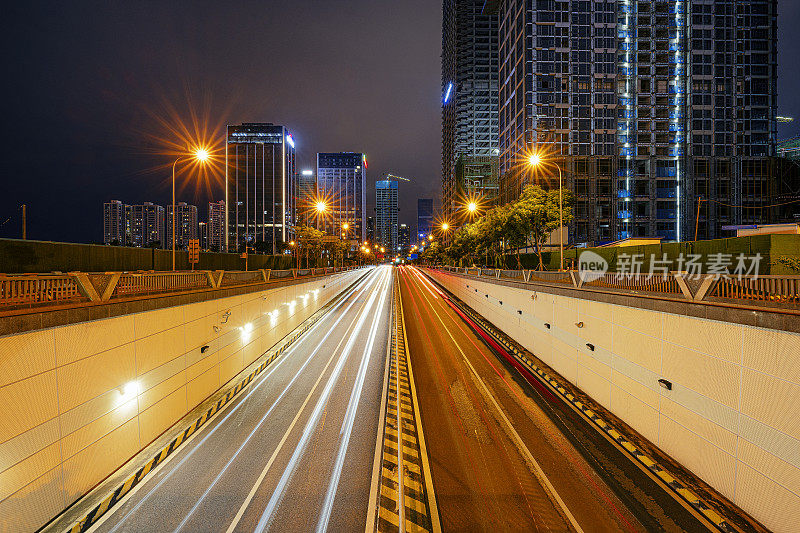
{"x": 535, "y": 160}
{"x": 445, "y": 226}
{"x": 201, "y": 155}
{"x": 472, "y": 207}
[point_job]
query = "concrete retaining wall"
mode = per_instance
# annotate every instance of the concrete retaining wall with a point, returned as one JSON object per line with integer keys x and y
{"x": 733, "y": 414}
{"x": 79, "y": 400}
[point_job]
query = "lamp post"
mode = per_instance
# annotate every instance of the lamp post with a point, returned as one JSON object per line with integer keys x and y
{"x": 201, "y": 155}
{"x": 534, "y": 161}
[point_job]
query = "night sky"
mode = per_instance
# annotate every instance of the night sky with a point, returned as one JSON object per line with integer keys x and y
{"x": 87, "y": 82}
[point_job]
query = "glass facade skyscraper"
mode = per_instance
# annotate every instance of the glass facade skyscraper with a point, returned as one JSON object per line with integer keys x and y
{"x": 648, "y": 106}
{"x": 386, "y": 214}
{"x": 342, "y": 184}
{"x": 260, "y": 186}
{"x": 469, "y": 98}
{"x": 424, "y": 218}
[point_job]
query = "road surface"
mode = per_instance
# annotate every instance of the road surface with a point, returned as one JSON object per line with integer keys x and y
{"x": 504, "y": 456}
{"x": 295, "y": 452}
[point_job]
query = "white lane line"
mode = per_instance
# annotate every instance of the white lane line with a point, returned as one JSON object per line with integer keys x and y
{"x": 350, "y": 415}
{"x": 208, "y": 424}
{"x": 516, "y": 437}
{"x": 274, "y": 455}
{"x": 372, "y": 505}
{"x": 255, "y": 429}
{"x": 311, "y": 425}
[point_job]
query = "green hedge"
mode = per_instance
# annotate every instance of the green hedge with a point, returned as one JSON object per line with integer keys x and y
{"x": 771, "y": 247}
{"x": 18, "y": 256}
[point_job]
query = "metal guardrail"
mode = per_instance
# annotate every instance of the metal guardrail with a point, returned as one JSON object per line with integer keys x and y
{"x": 38, "y": 288}
{"x": 35, "y": 290}
{"x": 697, "y": 288}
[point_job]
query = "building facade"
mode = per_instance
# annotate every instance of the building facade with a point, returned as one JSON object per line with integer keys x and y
{"x": 260, "y": 187}
{"x": 216, "y": 226}
{"x": 370, "y": 229}
{"x": 403, "y": 238}
{"x": 469, "y": 96}
{"x": 386, "y": 214}
{"x": 342, "y": 184}
{"x": 424, "y": 218}
{"x": 147, "y": 225}
{"x": 116, "y": 223}
{"x": 186, "y": 227}
{"x": 657, "y": 111}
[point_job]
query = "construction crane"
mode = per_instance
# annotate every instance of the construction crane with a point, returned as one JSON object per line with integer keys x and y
{"x": 389, "y": 175}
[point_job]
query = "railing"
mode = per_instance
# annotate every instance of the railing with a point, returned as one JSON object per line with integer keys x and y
{"x": 38, "y": 289}
{"x": 34, "y": 290}
{"x": 706, "y": 287}
{"x": 131, "y": 284}
{"x": 241, "y": 278}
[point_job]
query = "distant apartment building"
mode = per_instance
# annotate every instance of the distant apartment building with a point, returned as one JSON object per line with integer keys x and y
{"x": 216, "y": 226}
{"x": 116, "y": 223}
{"x": 260, "y": 186}
{"x": 185, "y": 225}
{"x": 657, "y": 112}
{"x": 342, "y": 185}
{"x": 386, "y": 214}
{"x": 469, "y": 103}
{"x": 424, "y": 218}
{"x": 147, "y": 225}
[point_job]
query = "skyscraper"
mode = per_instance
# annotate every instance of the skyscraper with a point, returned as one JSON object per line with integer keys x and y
{"x": 147, "y": 225}
{"x": 424, "y": 218}
{"x": 185, "y": 225}
{"x": 260, "y": 186}
{"x": 371, "y": 229}
{"x": 306, "y": 196}
{"x": 216, "y": 226}
{"x": 469, "y": 99}
{"x": 342, "y": 185}
{"x": 386, "y": 214}
{"x": 116, "y": 223}
{"x": 647, "y": 106}
{"x": 403, "y": 238}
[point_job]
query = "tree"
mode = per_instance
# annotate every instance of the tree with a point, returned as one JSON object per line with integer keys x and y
{"x": 309, "y": 242}
{"x": 543, "y": 209}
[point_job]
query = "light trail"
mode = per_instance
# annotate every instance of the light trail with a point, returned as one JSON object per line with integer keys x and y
{"x": 277, "y": 495}
{"x": 358, "y": 288}
{"x": 352, "y": 407}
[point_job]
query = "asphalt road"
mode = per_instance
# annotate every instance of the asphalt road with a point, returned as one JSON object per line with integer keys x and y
{"x": 505, "y": 457}
{"x": 295, "y": 451}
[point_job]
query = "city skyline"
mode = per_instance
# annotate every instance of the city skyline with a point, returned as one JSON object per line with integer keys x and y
{"x": 105, "y": 162}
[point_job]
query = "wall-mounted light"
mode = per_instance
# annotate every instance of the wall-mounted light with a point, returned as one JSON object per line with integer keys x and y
{"x": 519, "y": 311}
{"x": 590, "y": 346}
{"x": 204, "y": 349}
{"x": 127, "y": 392}
{"x": 547, "y": 325}
{"x": 665, "y": 383}
{"x": 578, "y": 324}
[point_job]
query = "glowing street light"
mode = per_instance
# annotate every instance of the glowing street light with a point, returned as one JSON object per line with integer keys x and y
{"x": 472, "y": 207}
{"x": 321, "y": 207}
{"x": 535, "y": 160}
{"x": 445, "y": 226}
{"x": 201, "y": 155}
